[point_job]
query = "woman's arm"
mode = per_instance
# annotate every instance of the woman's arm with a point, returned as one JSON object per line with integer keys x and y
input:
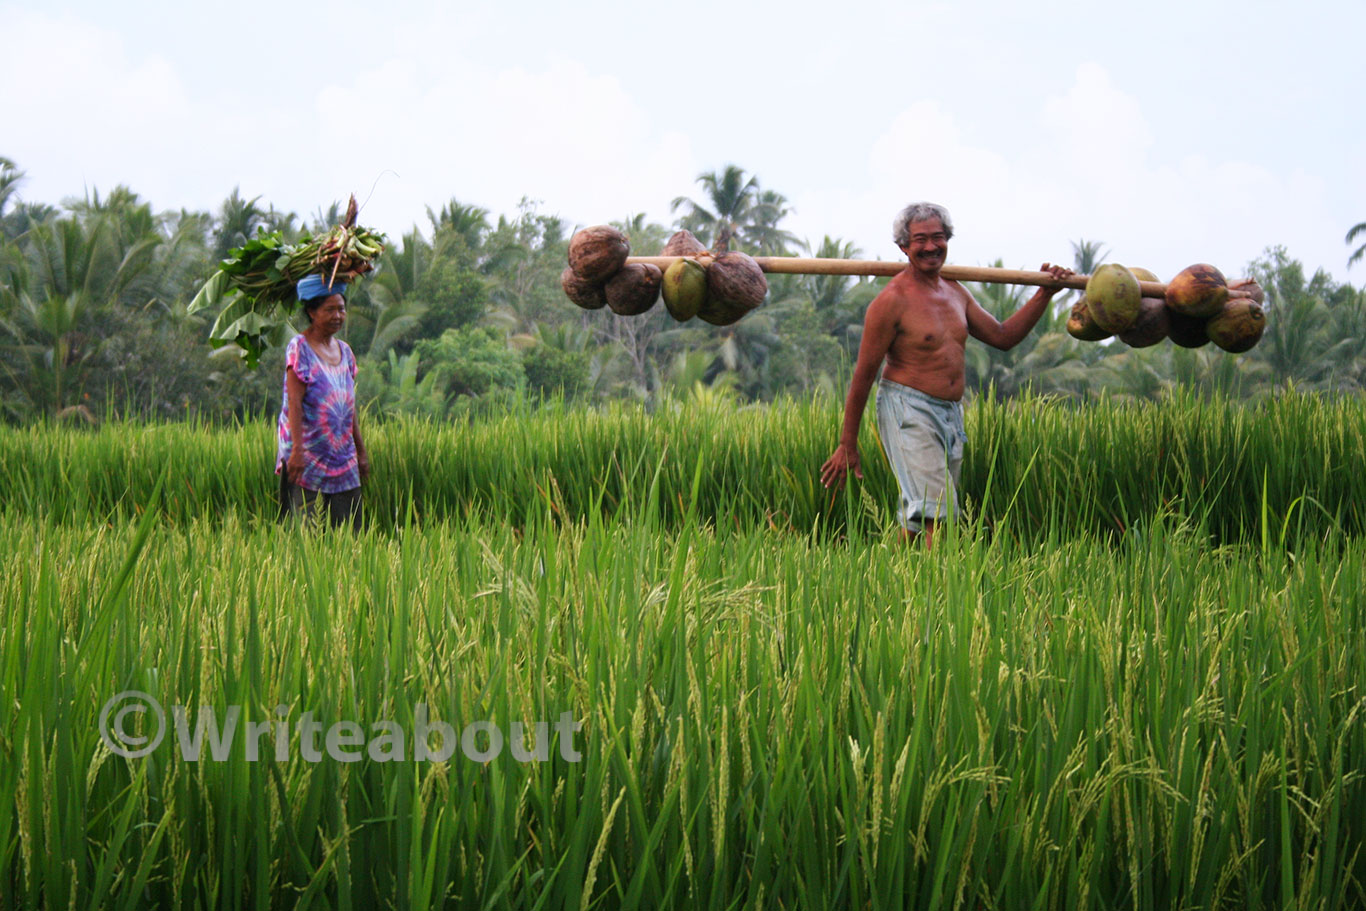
{"x": 295, "y": 387}
{"x": 362, "y": 457}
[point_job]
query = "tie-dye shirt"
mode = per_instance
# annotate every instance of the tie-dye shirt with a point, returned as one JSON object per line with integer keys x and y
{"x": 329, "y": 405}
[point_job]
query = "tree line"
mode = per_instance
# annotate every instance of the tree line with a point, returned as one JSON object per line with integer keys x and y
{"x": 465, "y": 314}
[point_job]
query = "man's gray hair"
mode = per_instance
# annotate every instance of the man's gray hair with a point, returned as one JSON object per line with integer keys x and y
{"x": 919, "y": 211}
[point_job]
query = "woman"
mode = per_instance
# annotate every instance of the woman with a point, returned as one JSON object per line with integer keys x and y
{"x": 325, "y": 469}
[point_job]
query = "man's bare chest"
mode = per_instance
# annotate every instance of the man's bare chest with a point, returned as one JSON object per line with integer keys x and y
{"x": 932, "y": 323}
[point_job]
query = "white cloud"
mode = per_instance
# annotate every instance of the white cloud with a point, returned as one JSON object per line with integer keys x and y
{"x": 88, "y": 114}
{"x": 1098, "y": 127}
{"x": 563, "y": 135}
{"x": 442, "y": 101}
{"x": 420, "y": 131}
{"x": 1091, "y": 170}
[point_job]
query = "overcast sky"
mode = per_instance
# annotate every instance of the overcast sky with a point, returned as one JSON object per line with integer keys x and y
{"x": 1172, "y": 132}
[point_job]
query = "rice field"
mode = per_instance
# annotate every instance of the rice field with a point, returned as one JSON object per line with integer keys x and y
{"x": 1122, "y": 682}
{"x": 1288, "y": 467}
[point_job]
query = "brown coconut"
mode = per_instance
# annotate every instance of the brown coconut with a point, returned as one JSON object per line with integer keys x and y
{"x": 682, "y": 243}
{"x": 1186, "y": 331}
{"x": 1249, "y": 287}
{"x": 588, "y": 295}
{"x": 1198, "y": 290}
{"x": 1080, "y": 324}
{"x": 1152, "y": 324}
{"x": 735, "y": 286}
{"x": 1238, "y": 326}
{"x": 598, "y": 253}
{"x": 634, "y": 289}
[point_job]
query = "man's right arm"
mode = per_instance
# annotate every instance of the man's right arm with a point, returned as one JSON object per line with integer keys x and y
{"x": 879, "y": 330}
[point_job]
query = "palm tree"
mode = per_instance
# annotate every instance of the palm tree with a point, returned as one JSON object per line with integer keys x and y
{"x": 685, "y": 372}
{"x": 25, "y": 215}
{"x": 838, "y": 302}
{"x": 470, "y": 222}
{"x": 46, "y": 334}
{"x": 763, "y": 231}
{"x": 392, "y": 386}
{"x": 61, "y": 298}
{"x": 828, "y": 292}
{"x": 1087, "y": 255}
{"x": 238, "y": 221}
{"x": 1146, "y": 373}
{"x": 731, "y": 198}
{"x": 524, "y": 258}
{"x": 72, "y": 257}
{"x": 287, "y": 223}
{"x": 391, "y": 311}
{"x": 139, "y": 236}
{"x": 9, "y": 182}
{"x": 1295, "y": 344}
{"x": 1347, "y": 325}
{"x": 325, "y": 219}
{"x": 184, "y": 255}
{"x": 1358, "y": 230}
{"x": 645, "y": 236}
{"x": 1046, "y": 359}
{"x": 745, "y": 348}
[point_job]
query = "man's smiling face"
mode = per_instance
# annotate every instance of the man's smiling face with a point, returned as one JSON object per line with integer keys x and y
{"x": 929, "y": 244}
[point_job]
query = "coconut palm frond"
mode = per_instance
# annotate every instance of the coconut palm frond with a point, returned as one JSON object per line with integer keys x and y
{"x": 1356, "y": 231}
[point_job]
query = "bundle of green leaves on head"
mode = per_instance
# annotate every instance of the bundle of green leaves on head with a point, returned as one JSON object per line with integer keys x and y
{"x": 255, "y": 285}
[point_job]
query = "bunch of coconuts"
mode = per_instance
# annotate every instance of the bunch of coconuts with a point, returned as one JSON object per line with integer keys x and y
{"x": 1200, "y": 307}
{"x": 717, "y": 288}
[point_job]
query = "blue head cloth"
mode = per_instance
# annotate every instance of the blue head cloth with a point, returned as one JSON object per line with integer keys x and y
{"x": 316, "y": 286}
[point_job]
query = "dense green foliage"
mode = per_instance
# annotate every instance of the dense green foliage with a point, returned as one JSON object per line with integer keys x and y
{"x": 93, "y": 297}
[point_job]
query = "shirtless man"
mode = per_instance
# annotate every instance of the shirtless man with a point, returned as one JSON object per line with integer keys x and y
{"x": 920, "y": 324}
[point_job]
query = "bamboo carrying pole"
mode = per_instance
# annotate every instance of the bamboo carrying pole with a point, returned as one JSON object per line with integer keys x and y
{"x": 797, "y": 265}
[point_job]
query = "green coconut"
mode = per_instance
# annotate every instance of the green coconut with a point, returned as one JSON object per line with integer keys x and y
{"x": 1114, "y": 297}
{"x": 1144, "y": 275}
{"x": 1238, "y": 326}
{"x": 685, "y": 289}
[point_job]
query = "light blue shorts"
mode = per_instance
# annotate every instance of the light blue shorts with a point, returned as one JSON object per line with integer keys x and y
{"x": 923, "y": 438}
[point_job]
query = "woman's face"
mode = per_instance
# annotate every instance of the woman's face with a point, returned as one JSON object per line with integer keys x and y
{"x": 330, "y": 315}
